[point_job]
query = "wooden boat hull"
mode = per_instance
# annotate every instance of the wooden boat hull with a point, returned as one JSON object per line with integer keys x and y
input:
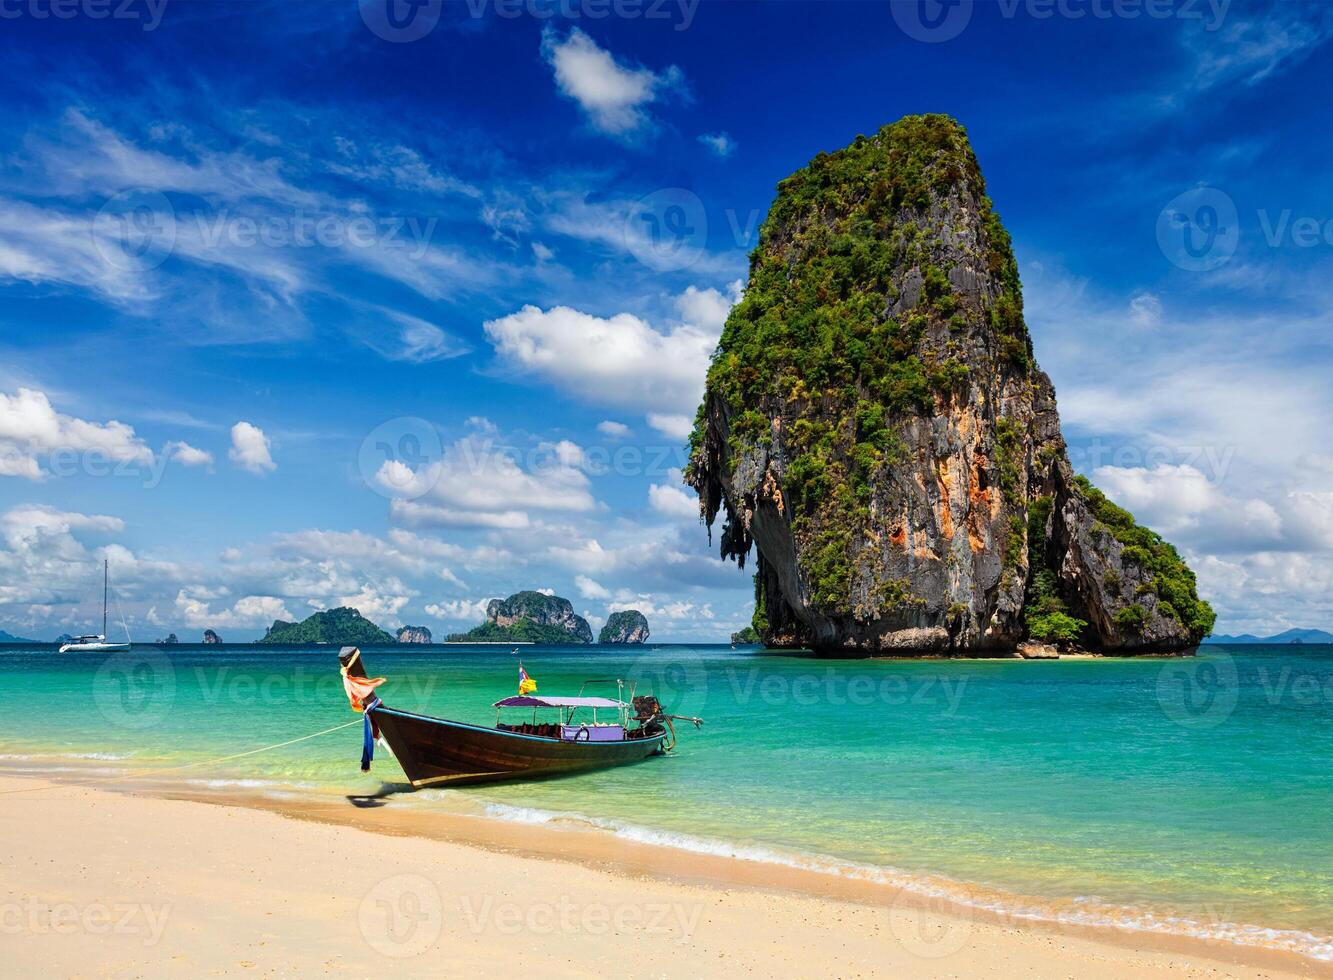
{"x": 434, "y": 751}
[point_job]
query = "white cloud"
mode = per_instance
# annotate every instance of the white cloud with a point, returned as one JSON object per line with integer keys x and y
{"x": 591, "y": 589}
{"x": 478, "y": 483}
{"x": 24, "y": 525}
{"x": 541, "y": 252}
{"x": 250, "y": 448}
{"x": 41, "y": 245}
{"x": 1249, "y": 49}
{"x": 379, "y": 606}
{"x": 459, "y": 610}
{"x": 720, "y": 143}
{"x": 675, "y": 426}
{"x": 187, "y": 455}
{"x": 413, "y": 513}
{"x": 31, "y": 428}
{"x": 411, "y": 339}
{"x": 251, "y": 611}
{"x": 620, "y": 360}
{"x": 1145, "y": 310}
{"x": 673, "y": 502}
{"x": 1180, "y": 501}
{"x": 616, "y": 430}
{"x": 612, "y": 95}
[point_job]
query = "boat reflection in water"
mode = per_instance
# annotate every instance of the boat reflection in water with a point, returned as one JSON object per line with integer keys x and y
{"x": 564, "y": 735}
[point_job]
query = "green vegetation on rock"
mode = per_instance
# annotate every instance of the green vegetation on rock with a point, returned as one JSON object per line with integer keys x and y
{"x": 812, "y": 343}
{"x": 625, "y": 626}
{"x": 523, "y": 630}
{"x": 1171, "y": 579}
{"x": 344, "y": 626}
{"x": 746, "y": 636}
{"x": 1045, "y": 612}
{"x": 529, "y": 616}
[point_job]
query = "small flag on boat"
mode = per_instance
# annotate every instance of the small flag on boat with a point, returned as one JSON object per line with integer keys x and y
{"x": 526, "y": 685}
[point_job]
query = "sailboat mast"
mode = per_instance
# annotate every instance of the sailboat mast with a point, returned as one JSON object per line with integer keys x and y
{"x": 106, "y": 573}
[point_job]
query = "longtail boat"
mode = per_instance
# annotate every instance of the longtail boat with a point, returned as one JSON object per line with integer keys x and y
{"x": 437, "y": 751}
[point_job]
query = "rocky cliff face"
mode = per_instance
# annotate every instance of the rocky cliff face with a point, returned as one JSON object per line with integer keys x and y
{"x": 627, "y": 626}
{"x": 413, "y": 634}
{"x": 541, "y": 610}
{"x": 211, "y": 637}
{"x": 876, "y": 426}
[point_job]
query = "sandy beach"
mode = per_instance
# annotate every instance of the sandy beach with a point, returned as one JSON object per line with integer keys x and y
{"x": 99, "y": 883}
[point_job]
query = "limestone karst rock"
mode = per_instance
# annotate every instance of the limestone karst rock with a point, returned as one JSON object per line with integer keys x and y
{"x": 876, "y": 426}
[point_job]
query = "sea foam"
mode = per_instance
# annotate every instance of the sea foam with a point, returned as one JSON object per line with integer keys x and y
{"x": 1083, "y": 911}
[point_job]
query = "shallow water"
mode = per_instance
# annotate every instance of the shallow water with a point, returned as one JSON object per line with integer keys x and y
{"x": 1183, "y": 795}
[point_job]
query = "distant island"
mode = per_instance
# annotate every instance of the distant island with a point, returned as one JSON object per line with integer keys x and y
{"x": 211, "y": 637}
{"x": 625, "y": 627}
{"x": 531, "y": 617}
{"x": 746, "y": 636}
{"x": 11, "y": 638}
{"x": 413, "y": 634}
{"x": 344, "y": 625}
{"x": 1286, "y": 636}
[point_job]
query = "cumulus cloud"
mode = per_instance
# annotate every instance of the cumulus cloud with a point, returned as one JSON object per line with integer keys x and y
{"x": 250, "y": 448}
{"x": 1180, "y": 502}
{"x": 673, "y": 502}
{"x": 591, "y": 589}
{"x": 675, "y": 426}
{"x": 622, "y": 361}
{"x": 459, "y": 610}
{"x": 251, "y": 611}
{"x": 478, "y": 483}
{"x": 31, "y": 430}
{"x": 187, "y": 455}
{"x": 616, "y": 430}
{"x": 27, "y": 524}
{"x": 613, "y": 96}
{"x": 381, "y": 605}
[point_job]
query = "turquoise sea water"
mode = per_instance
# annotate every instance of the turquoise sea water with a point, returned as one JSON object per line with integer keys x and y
{"x": 1182, "y": 795}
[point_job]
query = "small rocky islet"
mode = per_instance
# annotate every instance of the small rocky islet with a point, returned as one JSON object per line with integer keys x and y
{"x": 876, "y": 428}
{"x": 535, "y": 617}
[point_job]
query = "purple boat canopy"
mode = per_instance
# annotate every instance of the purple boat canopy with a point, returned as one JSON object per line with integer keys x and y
{"x": 529, "y": 701}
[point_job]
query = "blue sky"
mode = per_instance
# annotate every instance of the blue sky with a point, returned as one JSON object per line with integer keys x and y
{"x": 301, "y": 306}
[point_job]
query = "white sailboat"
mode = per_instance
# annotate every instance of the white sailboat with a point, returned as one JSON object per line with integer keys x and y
{"x": 98, "y": 644}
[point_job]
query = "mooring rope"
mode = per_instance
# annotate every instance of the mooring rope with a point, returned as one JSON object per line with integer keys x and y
{"x": 188, "y": 765}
